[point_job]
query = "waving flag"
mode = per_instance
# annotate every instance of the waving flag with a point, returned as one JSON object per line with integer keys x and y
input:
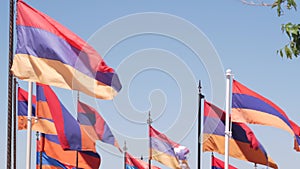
{"x": 242, "y": 145}
{"x": 49, "y": 146}
{"x": 49, "y": 53}
{"x": 23, "y": 108}
{"x": 133, "y": 163}
{"x": 71, "y": 135}
{"x": 250, "y": 107}
{"x": 163, "y": 150}
{"x": 40, "y": 123}
{"x": 50, "y": 163}
{"x": 94, "y": 124}
{"x": 219, "y": 164}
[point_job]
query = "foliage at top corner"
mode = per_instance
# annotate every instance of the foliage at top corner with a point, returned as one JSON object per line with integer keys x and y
{"x": 292, "y": 49}
{"x": 288, "y": 3}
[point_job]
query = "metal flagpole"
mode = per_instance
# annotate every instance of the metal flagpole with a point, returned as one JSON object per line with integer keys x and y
{"x": 77, "y": 115}
{"x": 212, "y": 155}
{"x": 39, "y": 147}
{"x": 10, "y": 81}
{"x": 199, "y": 123}
{"x": 149, "y": 121}
{"x": 42, "y": 148}
{"x": 15, "y": 124}
{"x": 29, "y": 114}
{"x": 228, "y": 111}
{"x": 76, "y": 159}
{"x": 125, "y": 150}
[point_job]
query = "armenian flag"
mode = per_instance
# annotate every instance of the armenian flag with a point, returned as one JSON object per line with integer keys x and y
{"x": 242, "y": 145}
{"x": 23, "y": 108}
{"x": 49, "y": 53}
{"x": 250, "y": 107}
{"x": 50, "y": 163}
{"x": 50, "y": 145}
{"x": 94, "y": 124}
{"x": 39, "y": 123}
{"x": 71, "y": 135}
{"x": 163, "y": 150}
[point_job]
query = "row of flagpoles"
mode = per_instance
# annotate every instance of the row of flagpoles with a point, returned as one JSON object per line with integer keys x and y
{"x": 209, "y": 111}
{"x": 46, "y": 119}
{"x": 73, "y": 64}
{"x": 243, "y": 106}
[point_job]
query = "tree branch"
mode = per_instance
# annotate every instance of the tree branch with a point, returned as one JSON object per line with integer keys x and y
{"x": 252, "y": 3}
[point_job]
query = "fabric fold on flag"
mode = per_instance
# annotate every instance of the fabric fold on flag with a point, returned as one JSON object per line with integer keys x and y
{"x": 163, "y": 150}
{"x": 250, "y": 107}
{"x": 219, "y": 164}
{"x": 94, "y": 124}
{"x": 49, "y": 53}
{"x": 243, "y": 143}
{"x": 50, "y": 146}
{"x": 71, "y": 135}
{"x": 297, "y": 143}
{"x": 296, "y": 129}
{"x": 134, "y": 163}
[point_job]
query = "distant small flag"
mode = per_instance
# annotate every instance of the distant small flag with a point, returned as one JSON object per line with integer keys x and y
{"x": 134, "y": 163}
{"x": 219, "y": 164}
{"x": 243, "y": 143}
{"x": 250, "y": 107}
{"x": 94, "y": 124}
{"x": 163, "y": 150}
{"x": 49, "y": 53}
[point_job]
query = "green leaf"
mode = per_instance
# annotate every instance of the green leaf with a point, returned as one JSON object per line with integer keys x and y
{"x": 288, "y": 52}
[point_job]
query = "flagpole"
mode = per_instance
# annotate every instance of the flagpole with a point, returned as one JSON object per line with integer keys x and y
{"x": 200, "y": 97}
{"x": 125, "y": 150}
{"x": 149, "y": 121}
{"x": 41, "y": 150}
{"x": 15, "y": 125}
{"x": 77, "y": 116}
{"x": 228, "y": 111}
{"x": 76, "y": 159}
{"x": 212, "y": 156}
{"x": 10, "y": 81}
{"x": 29, "y": 126}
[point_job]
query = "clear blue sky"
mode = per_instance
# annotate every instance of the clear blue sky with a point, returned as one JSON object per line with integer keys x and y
{"x": 160, "y": 63}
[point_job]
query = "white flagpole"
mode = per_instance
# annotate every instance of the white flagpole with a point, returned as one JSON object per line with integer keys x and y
{"x": 228, "y": 111}
{"x": 29, "y": 114}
